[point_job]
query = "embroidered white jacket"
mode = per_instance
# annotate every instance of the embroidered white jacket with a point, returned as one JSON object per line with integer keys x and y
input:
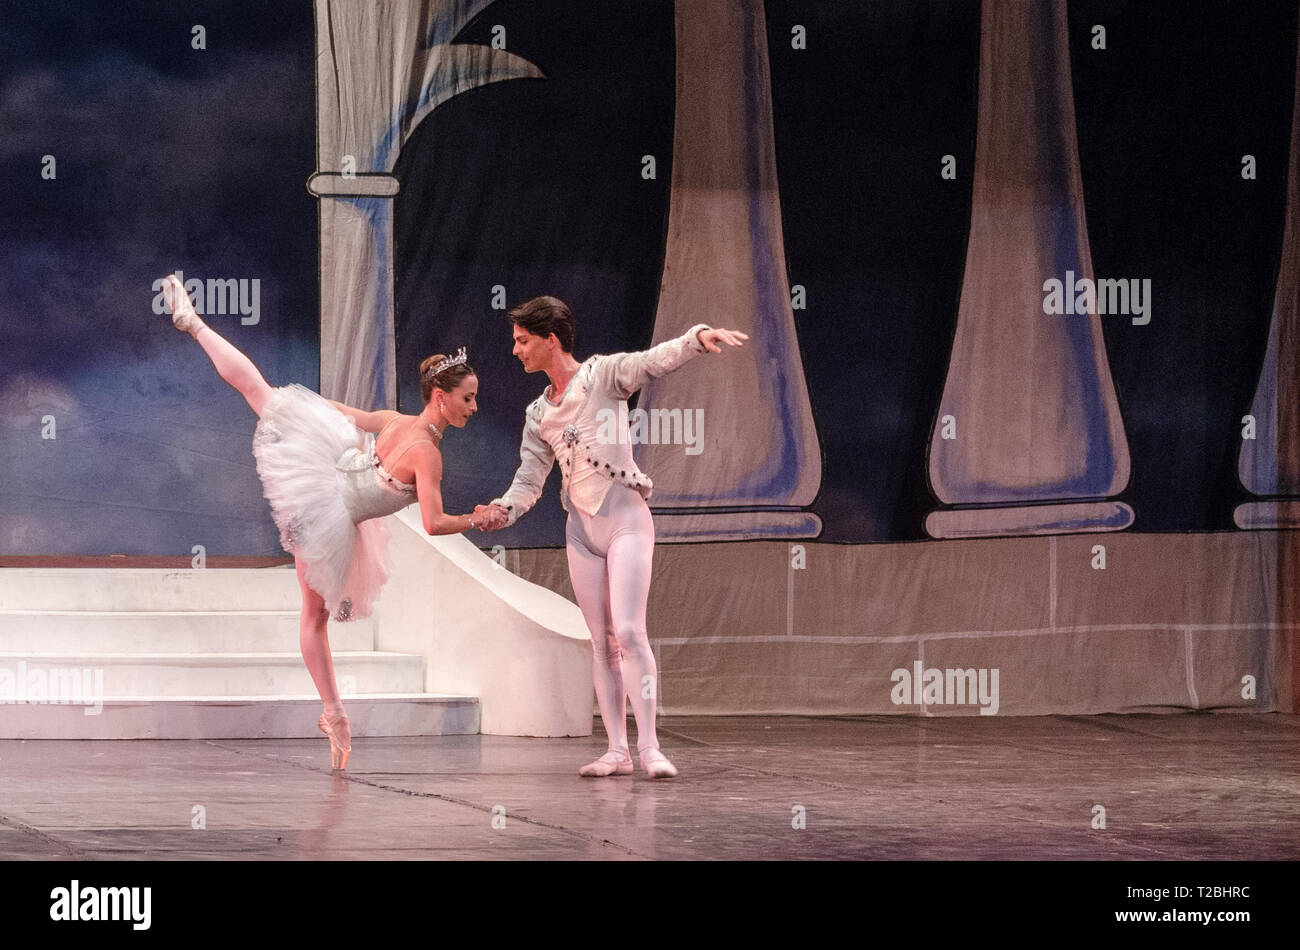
{"x": 568, "y": 430}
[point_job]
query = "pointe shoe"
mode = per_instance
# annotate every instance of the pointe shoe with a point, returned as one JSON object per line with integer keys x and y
{"x": 184, "y": 317}
{"x": 611, "y": 763}
{"x": 656, "y": 764}
{"x": 339, "y": 731}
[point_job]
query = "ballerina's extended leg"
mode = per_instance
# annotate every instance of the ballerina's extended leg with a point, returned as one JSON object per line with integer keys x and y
{"x": 232, "y": 365}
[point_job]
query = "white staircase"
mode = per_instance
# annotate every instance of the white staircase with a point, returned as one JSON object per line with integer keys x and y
{"x": 170, "y": 654}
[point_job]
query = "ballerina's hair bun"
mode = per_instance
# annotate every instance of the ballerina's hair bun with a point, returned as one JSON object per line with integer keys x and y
{"x": 447, "y": 380}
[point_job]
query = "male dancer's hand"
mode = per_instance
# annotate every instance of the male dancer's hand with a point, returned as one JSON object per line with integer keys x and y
{"x": 493, "y": 517}
{"x": 710, "y": 339}
{"x": 497, "y": 518}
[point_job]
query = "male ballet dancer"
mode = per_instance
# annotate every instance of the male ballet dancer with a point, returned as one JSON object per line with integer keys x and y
{"x": 610, "y": 534}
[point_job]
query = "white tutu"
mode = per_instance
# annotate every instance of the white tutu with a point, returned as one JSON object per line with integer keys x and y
{"x": 305, "y": 449}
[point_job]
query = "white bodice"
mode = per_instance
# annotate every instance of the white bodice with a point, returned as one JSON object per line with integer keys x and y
{"x": 368, "y": 490}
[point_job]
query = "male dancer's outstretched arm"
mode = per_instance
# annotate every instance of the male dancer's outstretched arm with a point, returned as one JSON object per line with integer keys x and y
{"x": 625, "y": 373}
{"x": 622, "y": 374}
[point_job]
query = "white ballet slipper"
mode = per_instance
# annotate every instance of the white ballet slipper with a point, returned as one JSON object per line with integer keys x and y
{"x": 656, "y": 764}
{"x": 184, "y": 317}
{"x": 611, "y": 763}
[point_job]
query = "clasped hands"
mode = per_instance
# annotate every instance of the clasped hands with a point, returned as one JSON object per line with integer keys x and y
{"x": 490, "y": 517}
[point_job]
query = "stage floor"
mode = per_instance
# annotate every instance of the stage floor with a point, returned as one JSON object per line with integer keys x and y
{"x": 1195, "y": 786}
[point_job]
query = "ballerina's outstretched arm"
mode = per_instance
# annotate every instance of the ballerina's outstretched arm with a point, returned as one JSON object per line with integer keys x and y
{"x": 366, "y": 421}
{"x": 427, "y": 462}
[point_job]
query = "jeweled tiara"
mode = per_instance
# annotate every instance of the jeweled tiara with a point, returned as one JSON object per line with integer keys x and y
{"x": 451, "y": 361}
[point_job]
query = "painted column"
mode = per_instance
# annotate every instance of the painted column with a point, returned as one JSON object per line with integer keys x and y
{"x": 1269, "y": 464}
{"x": 1028, "y": 438}
{"x": 381, "y": 67}
{"x": 758, "y": 461}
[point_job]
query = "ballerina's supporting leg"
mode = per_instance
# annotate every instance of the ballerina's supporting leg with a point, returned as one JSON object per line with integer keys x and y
{"x": 313, "y": 640}
{"x": 231, "y": 365}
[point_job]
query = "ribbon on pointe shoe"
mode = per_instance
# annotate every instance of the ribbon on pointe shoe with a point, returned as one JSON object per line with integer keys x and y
{"x": 340, "y": 748}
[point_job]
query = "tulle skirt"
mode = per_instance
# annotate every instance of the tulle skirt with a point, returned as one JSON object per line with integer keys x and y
{"x": 299, "y": 444}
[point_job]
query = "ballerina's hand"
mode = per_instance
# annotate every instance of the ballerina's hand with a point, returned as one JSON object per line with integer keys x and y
{"x": 711, "y": 338}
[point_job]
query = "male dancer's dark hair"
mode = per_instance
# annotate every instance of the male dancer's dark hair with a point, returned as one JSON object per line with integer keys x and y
{"x": 543, "y": 316}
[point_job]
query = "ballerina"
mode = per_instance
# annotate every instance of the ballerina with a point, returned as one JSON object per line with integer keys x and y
{"x": 330, "y": 472}
{"x": 609, "y": 535}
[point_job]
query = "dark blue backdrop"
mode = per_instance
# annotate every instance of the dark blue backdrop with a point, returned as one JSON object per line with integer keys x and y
{"x": 170, "y": 157}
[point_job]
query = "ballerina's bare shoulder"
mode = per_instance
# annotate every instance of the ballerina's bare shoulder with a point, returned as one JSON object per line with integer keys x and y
{"x": 393, "y": 443}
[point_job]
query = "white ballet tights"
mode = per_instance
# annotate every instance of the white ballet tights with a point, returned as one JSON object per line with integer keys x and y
{"x": 235, "y": 368}
{"x": 314, "y": 643}
{"x": 610, "y": 557}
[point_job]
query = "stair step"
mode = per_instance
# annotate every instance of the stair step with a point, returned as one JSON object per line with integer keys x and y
{"x": 145, "y": 589}
{"x": 159, "y": 631}
{"x": 243, "y": 717}
{"x": 173, "y": 652}
{"x": 200, "y": 674}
